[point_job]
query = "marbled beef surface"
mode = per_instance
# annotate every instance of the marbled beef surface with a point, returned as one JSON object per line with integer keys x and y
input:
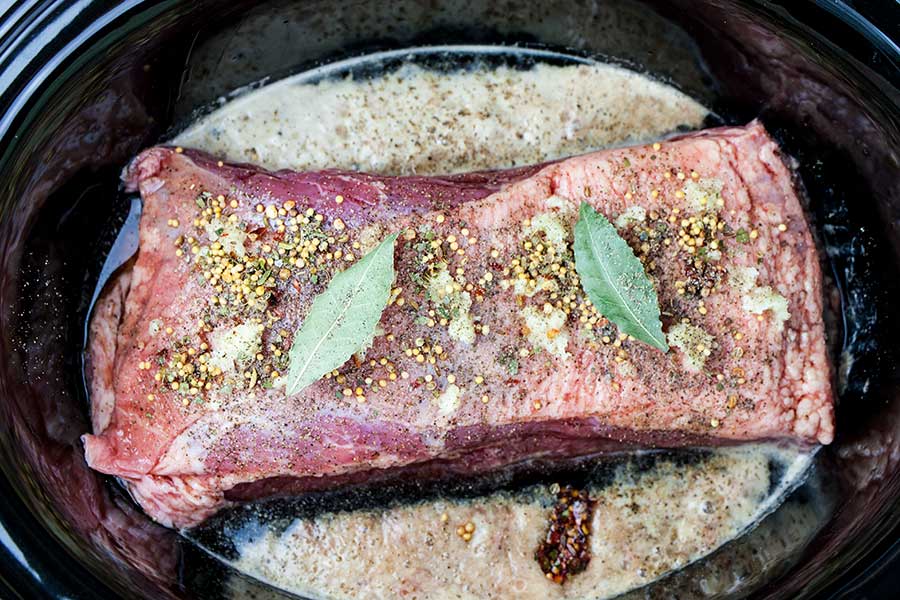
{"x": 488, "y": 353}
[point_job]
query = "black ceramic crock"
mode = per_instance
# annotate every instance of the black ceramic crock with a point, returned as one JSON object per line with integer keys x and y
{"x": 86, "y": 84}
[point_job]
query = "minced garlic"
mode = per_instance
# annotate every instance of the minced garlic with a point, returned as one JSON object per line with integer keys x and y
{"x": 370, "y": 236}
{"x": 694, "y": 342}
{"x": 155, "y": 326}
{"x": 563, "y": 205}
{"x": 461, "y": 327}
{"x": 229, "y": 234}
{"x": 525, "y": 287}
{"x": 743, "y": 279}
{"x": 448, "y": 401}
{"x": 555, "y": 231}
{"x": 547, "y": 329}
{"x": 444, "y": 291}
{"x": 632, "y": 214}
{"x": 705, "y": 194}
{"x": 235, "y": 345}
{"x": 759, "y": 299}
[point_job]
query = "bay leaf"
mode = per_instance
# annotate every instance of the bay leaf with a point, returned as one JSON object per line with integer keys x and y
{"x": 342, "y": 319}
{"x": 614, "y": 279}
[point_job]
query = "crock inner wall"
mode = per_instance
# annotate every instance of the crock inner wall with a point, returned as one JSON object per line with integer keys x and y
{"x": 153, "y": 65}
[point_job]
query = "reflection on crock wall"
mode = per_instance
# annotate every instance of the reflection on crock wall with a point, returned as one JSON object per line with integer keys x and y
{"x": 45, "y": 299}
{"x": 788, "y": 82}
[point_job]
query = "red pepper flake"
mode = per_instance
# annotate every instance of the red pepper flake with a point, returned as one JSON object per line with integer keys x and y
{"x": 565, "y": 550}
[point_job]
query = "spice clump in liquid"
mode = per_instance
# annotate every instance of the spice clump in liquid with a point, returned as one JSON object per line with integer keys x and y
{"x": 565, "y": 549}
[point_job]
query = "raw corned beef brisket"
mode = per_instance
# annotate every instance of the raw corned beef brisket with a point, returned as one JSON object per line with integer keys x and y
{"x": 488, "y": 352}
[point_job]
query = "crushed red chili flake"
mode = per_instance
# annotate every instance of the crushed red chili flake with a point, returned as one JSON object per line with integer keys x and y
{"x": 565, "y": 550}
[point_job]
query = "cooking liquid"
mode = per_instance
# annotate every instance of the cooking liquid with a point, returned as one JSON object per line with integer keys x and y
{"x": 655, "y": 512}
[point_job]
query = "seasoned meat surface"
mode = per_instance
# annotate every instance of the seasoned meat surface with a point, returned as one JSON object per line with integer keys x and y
{"x": 488, "y": 353}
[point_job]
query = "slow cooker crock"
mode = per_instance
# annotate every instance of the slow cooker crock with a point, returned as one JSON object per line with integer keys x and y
{"x": 86, "y": 84}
